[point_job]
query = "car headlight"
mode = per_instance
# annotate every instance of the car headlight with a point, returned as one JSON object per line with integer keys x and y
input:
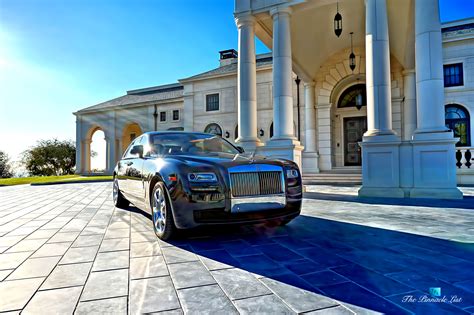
{"x": 292, "y": 173}
{"x": 202, "y": 177}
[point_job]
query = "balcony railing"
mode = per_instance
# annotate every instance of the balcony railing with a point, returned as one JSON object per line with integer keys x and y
{"x": 464, "y": 157}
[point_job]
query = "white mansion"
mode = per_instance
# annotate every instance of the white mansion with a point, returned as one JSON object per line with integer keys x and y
{"x": 391, "y": 97}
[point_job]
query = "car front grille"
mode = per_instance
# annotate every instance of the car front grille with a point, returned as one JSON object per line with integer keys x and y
{"x": 256, "y": 183}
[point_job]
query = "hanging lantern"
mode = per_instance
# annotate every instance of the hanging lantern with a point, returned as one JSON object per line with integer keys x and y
{"x": 352, "y": 57}
{"x": 358, "y": 101}
{"x": 338, "y": 22}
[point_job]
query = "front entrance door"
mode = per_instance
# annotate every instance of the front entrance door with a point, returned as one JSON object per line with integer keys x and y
{"x": 354, "y": 128}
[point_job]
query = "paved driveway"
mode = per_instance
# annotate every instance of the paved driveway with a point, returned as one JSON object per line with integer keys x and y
{"x": 66, "y": 249}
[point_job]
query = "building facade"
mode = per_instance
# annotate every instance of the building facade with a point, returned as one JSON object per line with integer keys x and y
{"x": 391, "y": 112}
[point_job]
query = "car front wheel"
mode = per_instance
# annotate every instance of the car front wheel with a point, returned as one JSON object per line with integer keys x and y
{"x": 162, "y": 215}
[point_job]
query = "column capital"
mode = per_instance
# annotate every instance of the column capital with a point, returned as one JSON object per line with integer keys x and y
{"x": 309, "y": 84}
{"x": 408, "y": 71}
{"x": 283, "y": 10}
{"x": 244, "y": 20}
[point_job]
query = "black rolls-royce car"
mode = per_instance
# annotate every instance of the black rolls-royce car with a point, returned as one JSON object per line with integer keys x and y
{"x": 185, "y": 180}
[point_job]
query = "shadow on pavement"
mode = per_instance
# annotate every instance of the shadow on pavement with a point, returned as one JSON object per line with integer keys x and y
{"x": 313, "y": 260}
{"x": 466, "y": 203}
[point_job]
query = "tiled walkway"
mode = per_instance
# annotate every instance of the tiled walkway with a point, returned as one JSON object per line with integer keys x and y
{"x": 66, "y": 249}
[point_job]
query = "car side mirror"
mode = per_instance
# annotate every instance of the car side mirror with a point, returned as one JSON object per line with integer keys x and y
{"x": 138, "y": 149}
{"x": 240, "y": 149}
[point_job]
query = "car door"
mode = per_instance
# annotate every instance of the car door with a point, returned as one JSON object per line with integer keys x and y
{"x": 123, "y": 172}
{"x": 135, "y": 174}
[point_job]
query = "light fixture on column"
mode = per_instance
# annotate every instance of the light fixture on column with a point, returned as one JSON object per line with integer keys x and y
{"x": 352, "y": 57}
{"x": 338, "y": 22}
{"x": 359, "y": 98}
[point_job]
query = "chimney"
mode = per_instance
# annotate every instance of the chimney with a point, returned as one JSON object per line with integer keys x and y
{"x": 227, "y": 57}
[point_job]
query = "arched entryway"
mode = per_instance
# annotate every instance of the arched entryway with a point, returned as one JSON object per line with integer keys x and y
{"x": 349, "y": 117}
{"x": 130, "y": 132}
{"x": 94, "y": 151}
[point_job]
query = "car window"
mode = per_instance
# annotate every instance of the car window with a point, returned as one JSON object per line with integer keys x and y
{"x": 127, "y": 154}
{"x": 188, "y": 143}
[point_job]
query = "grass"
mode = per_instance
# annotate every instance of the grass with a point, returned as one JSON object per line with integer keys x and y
{"x": 46, "y": 180}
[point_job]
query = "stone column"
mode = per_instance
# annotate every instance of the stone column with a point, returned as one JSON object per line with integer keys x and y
{"x": 86, "y": 145}
{"x": 282, "y": 75}
{"x": 433, "y": 144}
{"x": 110, "y": 152}
{"x": 409, "y": 104}
{"x": 380, "y": 145}
{"x": 79, "y": 149}
{"x": 429, "y": 68}
{"x": 283, "y": 143}
{"x": 377, "y": 50}
{"x": 310, "y": 155}
{"x": 324, "y": 136}
{"x": 247, "y": 84}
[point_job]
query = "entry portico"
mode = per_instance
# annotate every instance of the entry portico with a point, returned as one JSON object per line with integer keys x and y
{"x": 399, "y": 59}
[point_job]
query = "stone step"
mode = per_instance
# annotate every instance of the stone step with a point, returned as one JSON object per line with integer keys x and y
{"x": 333, "y": 178}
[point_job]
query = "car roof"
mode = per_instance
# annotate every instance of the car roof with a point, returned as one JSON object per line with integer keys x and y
{"x": 177, "y": 132}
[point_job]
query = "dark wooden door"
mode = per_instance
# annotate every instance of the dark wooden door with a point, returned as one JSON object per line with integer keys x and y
{"x": 354, "y": 128}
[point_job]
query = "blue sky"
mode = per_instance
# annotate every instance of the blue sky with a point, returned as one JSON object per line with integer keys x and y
{"x": 58, "y": 56}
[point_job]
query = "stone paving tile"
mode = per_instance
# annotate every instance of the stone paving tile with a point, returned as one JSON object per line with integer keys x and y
{"x": 145, "y": 249}
{"x": 240, "y": 248}
{"x": 79, "y": 255}
{"x": 190, "y": 274}
{"x": 52, "y": 249}
{"x": 209, "y": 299}
{"x": 87, "y": 240}
{"x": 152, "y": 295}
{"x": 323, "y": 278}
{"x": 13, "y": 260}
{"x": 239, "y": 284}
{"x": 59, "y": 301}
{"x": 298, "y": 294}
{"x": 7, "y": 241}
{"x": 27, "y": 245}
{"x": 61, "y": 237}
{"x": 117, "y": 233}
{"x": 106, "y": 284}
{"x": 39, "y": 234}
{"x": 266, "y": 304}
{"x": 94, "y": 230}
{"x": 143, "y": 237}
{"x": 15, "y": 294}
{"x": 35, "y": 267}
{"x": 337, "y": 310}
{"x": 5, "y": 273}
{"x": 218, "y": 259}
{"x": 116, "y": 244}
{"x": 111, "y": 260}
{"x": 178, "y": 255}
{"x": 67, "y": 276}
{"x": 350, "y": 292}
{"x": 147, "y": 267}
{"x": 111, "y": 306}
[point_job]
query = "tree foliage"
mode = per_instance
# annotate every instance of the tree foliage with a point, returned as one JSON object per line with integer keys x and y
{"x": 50, "y": 157}
{"x": 5, "y": 166}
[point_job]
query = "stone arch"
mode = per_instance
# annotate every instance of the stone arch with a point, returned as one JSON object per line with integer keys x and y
{"x": 333, "y": 78}
{"x": 130, "y": 131}
{"x": 86, "y": 152}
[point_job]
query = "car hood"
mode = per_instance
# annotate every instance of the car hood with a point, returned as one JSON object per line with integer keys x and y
{"x": 226, "y": 159}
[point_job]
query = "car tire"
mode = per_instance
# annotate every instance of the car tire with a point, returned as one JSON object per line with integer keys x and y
{"x": 119, "y": 200}
{"x": 162, "y": 216}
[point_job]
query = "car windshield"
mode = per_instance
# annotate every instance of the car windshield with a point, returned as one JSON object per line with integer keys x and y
{"x": 190, "y": 143}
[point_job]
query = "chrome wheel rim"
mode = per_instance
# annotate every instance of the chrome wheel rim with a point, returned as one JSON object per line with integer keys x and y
{"x": 115, "y": 190}
{"x": 159, "y": 210}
